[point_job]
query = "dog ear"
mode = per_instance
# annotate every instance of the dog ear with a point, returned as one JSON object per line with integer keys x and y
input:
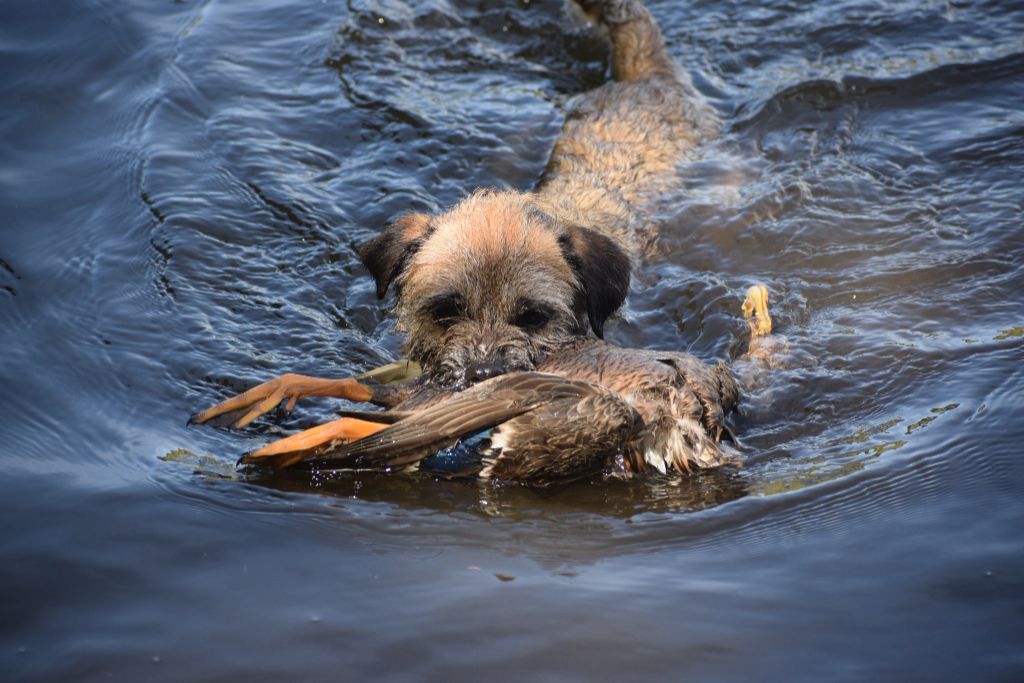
{"x": 603, "y": 269}
{"x": 387, "y": 254}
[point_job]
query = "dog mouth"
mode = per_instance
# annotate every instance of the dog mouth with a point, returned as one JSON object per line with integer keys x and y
{"x": 469, "y": 353}
{"x": 458, "y": 379}
{"x": 459, "y": 374}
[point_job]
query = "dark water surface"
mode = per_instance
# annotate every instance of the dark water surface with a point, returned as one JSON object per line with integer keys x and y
{"x": 181, "y": 188}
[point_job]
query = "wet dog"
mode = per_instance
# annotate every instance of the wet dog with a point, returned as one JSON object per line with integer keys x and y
{"x": 491, "y": 285}
{"x": 486, "y": 287}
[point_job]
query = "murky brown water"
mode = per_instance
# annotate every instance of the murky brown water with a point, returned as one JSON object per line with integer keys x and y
{"x": 181, "y": 189}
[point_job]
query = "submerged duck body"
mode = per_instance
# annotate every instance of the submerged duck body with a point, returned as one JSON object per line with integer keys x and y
{"x": 529, "y": 426}
{"x": 589, "y": 405}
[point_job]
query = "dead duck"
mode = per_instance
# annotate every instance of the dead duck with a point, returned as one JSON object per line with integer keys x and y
{"x": 589, "y": 405}
{"x": 528, "y": 426}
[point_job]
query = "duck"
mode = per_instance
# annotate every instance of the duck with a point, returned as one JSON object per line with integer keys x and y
{"x": 589, "y": 407}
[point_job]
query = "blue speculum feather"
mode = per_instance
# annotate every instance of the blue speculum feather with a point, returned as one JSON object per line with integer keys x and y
{"x": 462, "y": 455}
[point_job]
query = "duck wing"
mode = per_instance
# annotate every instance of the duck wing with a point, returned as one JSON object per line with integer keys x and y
{"x": 708, "y": 392}
{"x": 564, "y": 439}
{"x": 415, "y": 435}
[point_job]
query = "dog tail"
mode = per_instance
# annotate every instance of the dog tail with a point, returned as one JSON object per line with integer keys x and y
{"x": 638, "y": 48}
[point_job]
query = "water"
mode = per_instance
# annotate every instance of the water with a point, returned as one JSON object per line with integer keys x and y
{"x": 181, "y": 189}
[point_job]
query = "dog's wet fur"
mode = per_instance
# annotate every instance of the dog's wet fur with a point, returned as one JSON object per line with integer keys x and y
{"x": 488, "y": 286}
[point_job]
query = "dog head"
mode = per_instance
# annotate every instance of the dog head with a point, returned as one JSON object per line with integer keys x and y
{"x": 489, "y": 286}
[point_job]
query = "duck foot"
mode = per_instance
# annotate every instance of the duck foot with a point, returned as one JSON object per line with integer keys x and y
{"x": 291, "y": 387}
{"x": 316, "y": 440}
{"x": 755, "y": 310}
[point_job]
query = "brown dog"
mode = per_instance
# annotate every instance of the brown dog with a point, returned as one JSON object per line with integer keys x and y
{"x": 489, "y": 286}
{"x": 486, "y": 287}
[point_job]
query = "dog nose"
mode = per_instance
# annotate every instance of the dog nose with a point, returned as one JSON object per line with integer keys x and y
{"x": 481, "y": 371}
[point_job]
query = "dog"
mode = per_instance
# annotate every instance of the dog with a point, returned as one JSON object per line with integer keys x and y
{"x": 486, "y": 287}
{"x": 491, "y": 285}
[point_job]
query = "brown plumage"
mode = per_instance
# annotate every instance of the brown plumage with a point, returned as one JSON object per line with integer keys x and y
{"x": 537, "y": 427}
{"x": 589, "y": 403}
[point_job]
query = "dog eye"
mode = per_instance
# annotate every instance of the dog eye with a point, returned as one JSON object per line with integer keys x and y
{"x": 532, "y": 319}
{"x": 445, "y": 310}
{"x": 444, "y": 314}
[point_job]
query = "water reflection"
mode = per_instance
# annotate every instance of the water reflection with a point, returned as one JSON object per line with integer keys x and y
{"x": 183, "y": 186}
{"x": 615, "y": 495}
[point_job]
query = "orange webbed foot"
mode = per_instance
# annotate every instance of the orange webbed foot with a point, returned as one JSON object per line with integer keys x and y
{"x": 297, "y": 447}
{"x": 291, "y": 387}
{"x": 755, "y": 310}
